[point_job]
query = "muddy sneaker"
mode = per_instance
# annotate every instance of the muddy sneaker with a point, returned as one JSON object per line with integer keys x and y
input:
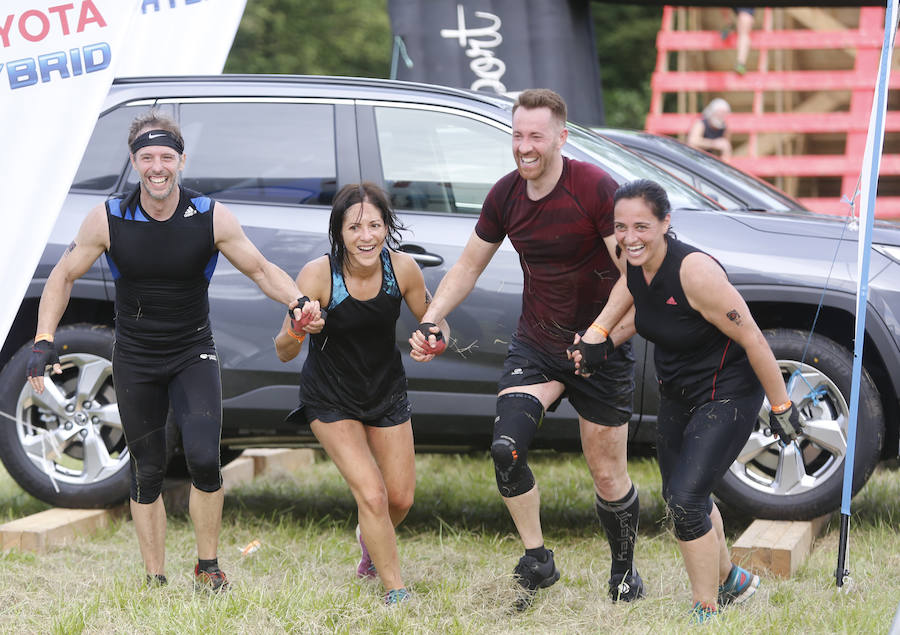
{"x": 739, "y": 586}
{"x": 212, "y": 581}
{"x": 396, "y": 596}
{"x": 626, "y": 587}
{"x": 532, "y": 574}
{"x": 365, "y": 568}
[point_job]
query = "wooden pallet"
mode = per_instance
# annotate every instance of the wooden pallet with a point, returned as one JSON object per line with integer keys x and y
{"x": 58, "y": 527}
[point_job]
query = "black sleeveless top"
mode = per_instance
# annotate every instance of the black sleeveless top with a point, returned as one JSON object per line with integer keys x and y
{"x": 694, "y": 359}
{"x": 162, "y": 271}
{"x": 354, "y": 365}
{"x": 710, "y": 131}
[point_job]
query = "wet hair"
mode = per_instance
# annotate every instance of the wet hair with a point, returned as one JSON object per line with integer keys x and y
{"x": 347, "y": 197}
{"x": 543, "y": 98}
{"x": 652, "y": 194}
{"x": 156, "y": 120}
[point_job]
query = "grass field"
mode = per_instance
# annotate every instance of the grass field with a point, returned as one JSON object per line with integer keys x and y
{"x": 458, "y": 548}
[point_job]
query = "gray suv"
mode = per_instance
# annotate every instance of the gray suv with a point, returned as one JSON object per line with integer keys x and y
{"x": 275, "y": 149}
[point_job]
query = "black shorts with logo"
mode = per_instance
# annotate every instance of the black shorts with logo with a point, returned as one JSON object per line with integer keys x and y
{"x": 604, "y": 398}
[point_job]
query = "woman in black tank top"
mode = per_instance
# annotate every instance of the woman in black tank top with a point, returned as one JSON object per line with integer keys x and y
{"x": 352, "y": 386}
{"x": 713, "y": 365}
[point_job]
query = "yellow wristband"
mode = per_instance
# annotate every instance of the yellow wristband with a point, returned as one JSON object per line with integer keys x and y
{"x": 782, "y": 407}
{"x": 599, "y": 329}
{"x": 299, "y": 338}
{"x": 43, "y": 337}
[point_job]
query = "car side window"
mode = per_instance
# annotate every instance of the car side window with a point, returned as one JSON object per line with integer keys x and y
{"x": 440, "y": 162}
{"x": 265, "y": 152}
{"x": 106, "y": 155}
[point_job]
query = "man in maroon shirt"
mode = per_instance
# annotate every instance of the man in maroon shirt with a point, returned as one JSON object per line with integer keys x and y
{"x": 558, "y": 215}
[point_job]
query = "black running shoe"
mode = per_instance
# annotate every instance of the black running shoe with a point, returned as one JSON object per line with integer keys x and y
{"x": 626, "y": 587}
{"x": 532, "y": 574}
{"x": 156, "y": 580}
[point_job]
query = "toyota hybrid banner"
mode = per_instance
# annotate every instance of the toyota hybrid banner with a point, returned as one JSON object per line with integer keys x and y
{"x": 502, "y": 46}
{"x": 56, "y": 65}
{"x": 57, "y": 61}
{"x": 180, "y": 37}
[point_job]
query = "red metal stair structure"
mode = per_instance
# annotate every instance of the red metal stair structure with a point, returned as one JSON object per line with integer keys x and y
{"x": 800, "y": 112}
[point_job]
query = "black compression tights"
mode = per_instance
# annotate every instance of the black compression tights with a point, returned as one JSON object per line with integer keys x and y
{"x": 695, "y": 447}
{"x": 146, "y": 388}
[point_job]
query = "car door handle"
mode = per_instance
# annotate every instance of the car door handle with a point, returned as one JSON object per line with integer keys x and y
{"x": 421, "y": 256}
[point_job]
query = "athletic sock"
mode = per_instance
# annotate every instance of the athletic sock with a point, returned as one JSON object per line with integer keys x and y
{"x": 208, "y": 565}
{"x": 540, "y": 553}
{"x": 619, "y": 520}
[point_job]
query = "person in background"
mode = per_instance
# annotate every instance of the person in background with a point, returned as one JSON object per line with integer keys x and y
{"x": 353, "y": 386}
{"x": 710, "y": 131}
{"x": 743, "y": 25}
{"x": 713, "y": 365}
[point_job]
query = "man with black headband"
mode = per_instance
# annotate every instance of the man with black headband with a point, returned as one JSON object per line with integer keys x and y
{"x": 162, "y": 242}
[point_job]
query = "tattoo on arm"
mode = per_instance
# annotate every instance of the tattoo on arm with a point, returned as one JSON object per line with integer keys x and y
{"x": 734, "y": 316}
{"x": 70, "y": 248}
{"x": 428, "y": 297}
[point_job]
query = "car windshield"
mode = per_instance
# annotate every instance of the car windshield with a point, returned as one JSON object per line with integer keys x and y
{"x": 629, "y": 166}
{"x": 771, "y": 198}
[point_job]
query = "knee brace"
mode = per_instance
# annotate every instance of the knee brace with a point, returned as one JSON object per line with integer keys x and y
{"x": 690, "y": 515}
{"x": 518, "y": 416}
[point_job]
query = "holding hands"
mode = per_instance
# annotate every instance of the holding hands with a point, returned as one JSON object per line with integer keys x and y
{"x": 306, "y": 317}
{"x": 587, "y": 353}
{"x": 427, "y": 342}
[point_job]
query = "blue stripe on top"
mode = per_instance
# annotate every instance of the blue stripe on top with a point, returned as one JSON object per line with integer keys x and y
{"x": 115, "y": 208}
{"x": 389, "y": 284}
{"x": 201, "y": 203}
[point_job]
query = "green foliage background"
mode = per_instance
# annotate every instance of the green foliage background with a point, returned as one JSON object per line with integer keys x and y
{"x": 353, "y": 37}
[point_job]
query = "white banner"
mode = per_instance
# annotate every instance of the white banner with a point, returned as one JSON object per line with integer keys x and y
{"x": 180, "y": 37}
{"x": 56, "y": 65}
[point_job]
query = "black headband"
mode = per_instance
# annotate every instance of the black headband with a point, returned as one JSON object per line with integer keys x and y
{"x": 157, "y": 138}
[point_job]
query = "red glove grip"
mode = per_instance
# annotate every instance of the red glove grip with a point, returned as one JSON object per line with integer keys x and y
{"x": 440, "y": 344}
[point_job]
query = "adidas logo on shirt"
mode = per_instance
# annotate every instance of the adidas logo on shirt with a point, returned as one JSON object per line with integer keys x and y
{"x": 190, "y": 211}
{"x": 671, "y": 301}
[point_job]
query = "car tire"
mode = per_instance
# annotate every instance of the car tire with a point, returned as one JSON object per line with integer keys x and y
{"x": 69, "y": 458}
{"x": 805, "y": 480}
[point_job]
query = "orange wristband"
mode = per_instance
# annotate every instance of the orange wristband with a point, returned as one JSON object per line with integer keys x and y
{"x": 782, "y": 407}
{"x": 43, "y": 337}
{"x": 299, "y": 338}
{"x": 599, "y": 329}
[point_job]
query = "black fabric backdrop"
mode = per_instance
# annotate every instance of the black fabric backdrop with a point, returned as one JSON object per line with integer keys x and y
{"x": 503, "y": 46}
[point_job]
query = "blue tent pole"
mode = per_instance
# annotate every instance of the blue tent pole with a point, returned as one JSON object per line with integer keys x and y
{"x": 870, "y": 181}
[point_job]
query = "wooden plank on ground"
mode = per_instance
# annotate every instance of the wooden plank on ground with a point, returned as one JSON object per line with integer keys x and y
{"x": 777, "y": 546}
{"x": 55, "y": 527}
{"x": 283, "y": 459}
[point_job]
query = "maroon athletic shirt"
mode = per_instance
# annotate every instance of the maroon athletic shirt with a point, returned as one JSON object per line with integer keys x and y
{"x": 568, "y": 272}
